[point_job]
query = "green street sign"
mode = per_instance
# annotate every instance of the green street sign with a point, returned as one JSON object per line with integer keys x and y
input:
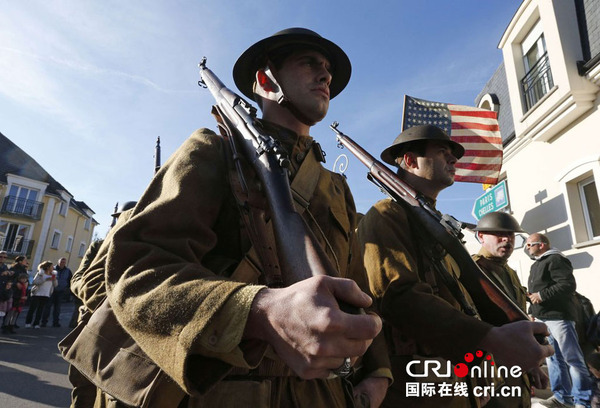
{"x": 496, "y": 198}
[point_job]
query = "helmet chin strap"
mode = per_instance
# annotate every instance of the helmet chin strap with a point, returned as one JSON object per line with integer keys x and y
{"x": 283, "y": 101}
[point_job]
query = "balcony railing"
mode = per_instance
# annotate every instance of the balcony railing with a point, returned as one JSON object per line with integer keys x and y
{"x": 16, "y": 246}
{"x": 23, "y": 207}
{"x": 537, "y": 82}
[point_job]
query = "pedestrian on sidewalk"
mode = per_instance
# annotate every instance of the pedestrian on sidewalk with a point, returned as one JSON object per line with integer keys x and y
{"x": 63, "y": 282}
{"x": 19, "y": 297}
{"x": 44, "y": 283}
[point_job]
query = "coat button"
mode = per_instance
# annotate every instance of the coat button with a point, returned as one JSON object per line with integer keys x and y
{"x": 212, "y": 340}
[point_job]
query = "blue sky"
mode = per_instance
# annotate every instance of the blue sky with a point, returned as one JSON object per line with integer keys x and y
{"x": 87, "y": 86}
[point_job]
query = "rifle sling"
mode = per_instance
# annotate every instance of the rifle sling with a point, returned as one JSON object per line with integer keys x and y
{"x": 436, "y": 255}
{"x": 253, "y": 263}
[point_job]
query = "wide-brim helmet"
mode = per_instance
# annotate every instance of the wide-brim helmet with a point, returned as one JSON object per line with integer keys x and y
{"x": 417, "y": 133}
{"x": 498, "y": 222}
{"x": 255, "y": 57}
{"x": 127, "y": 205}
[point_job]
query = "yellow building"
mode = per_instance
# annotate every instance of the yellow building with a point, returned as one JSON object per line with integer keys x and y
{"x": 39, "y": 218}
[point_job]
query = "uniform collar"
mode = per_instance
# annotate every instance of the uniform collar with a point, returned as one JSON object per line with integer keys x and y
{"x": 296, "y": 146}
{"x": 486, "y": 254}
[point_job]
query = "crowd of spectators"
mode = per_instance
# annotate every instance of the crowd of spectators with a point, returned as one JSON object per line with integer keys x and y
{"x": 46, "y": 291}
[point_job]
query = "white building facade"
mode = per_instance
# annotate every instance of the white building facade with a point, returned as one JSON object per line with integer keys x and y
{"x": 547, "y": 94}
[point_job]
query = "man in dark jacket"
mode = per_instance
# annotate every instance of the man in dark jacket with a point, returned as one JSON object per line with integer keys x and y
{"x": 63, "y": 277}
{"x": 551, "y": 288}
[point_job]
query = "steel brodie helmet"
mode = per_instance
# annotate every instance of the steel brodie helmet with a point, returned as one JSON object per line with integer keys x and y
{"x": 127, "y": 205}
{"x": 256, "y": 57}
{"x": 418, "y": 133}
{"x": 498, "y": 221}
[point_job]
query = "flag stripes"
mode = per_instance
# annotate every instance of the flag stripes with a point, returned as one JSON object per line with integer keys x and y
{"x": 474, "y": 128}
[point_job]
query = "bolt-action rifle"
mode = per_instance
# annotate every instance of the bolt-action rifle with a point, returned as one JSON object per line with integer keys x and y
{"x": 494, "y": 306}
{"x": 299, "y": 254}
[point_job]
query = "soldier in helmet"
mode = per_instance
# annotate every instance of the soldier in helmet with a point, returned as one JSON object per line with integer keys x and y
{"x": 87, "y": 284}
{"x": 175, "y": 276}
{"x": 496, "y": 233}
{"x": 425, "y": 316}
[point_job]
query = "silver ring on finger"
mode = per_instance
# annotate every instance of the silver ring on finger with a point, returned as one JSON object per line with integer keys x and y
{"x": 344, "y": 369}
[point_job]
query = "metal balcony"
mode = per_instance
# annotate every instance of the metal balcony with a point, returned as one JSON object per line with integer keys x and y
{"x": 16, "y": 246}
{"x": 537, "y": 82}
{"x": 22, "y": 207}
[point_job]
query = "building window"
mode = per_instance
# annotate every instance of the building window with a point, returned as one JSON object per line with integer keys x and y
{"x": 55, "y": 240}
{"x": 69, "y": 245}
{"x": 62, "y": 209}
{"x": 590, "y": 206}
{"x": 14, "y": 238}
{"x": 23, "y": 201}
{"x": 81, "y": 250}
{"x": 88, "y": 223}
{"x": 580, "y": 188}
{"x": 538, "y": 78}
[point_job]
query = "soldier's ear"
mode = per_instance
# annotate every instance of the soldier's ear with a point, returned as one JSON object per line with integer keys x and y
{"x": 410, "y": 160}
{"x": 264, "y": 82}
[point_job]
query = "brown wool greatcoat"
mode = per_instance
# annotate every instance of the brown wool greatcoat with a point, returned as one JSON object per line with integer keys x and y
{"x": 168, "y": 269}
{"x": 417, "y": 321}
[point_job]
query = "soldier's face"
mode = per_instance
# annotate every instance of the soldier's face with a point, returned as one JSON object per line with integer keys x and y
{"x": 437, "y": 165}
{"x": 305, "y": 78}
{"x": 500, "y": 244}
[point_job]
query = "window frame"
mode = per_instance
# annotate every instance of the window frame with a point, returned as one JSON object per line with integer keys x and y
{"x": 55, "y": 234}
{"x": 69, "y": 244}
{"x": 582, "y": 170}
{"x": 583, "y": 197}
{"x": 62, "y": 208}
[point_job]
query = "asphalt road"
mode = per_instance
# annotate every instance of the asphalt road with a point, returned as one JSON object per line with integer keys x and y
{"x": 32, "y": 372}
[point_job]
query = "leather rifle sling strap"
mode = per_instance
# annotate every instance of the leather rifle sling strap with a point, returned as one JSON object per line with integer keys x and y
{"x": 262, "y": 256}
{"x": 303, "y": 187}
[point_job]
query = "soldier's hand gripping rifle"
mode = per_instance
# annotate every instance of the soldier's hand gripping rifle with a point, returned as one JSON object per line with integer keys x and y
{"x": 299, "y": 254}
{"x": 493, "y": 304}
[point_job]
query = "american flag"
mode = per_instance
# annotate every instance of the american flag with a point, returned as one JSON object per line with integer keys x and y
{"x": 474, "y": 128}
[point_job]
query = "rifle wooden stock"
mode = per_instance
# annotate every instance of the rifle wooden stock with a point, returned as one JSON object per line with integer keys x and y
{"x": 494, "y": 306}
{"x": 299, "y": 253}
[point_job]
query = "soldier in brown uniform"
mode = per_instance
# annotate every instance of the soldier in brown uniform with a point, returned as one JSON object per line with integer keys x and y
{"x": 174, "y": 274}
{"x": 87, "y": 284}
{"x": 496, "y": 232}
{"x": 424, "y": 318}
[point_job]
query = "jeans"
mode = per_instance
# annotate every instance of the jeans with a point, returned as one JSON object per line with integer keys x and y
{"x": 570, "y": 379}
{"x": 36, "y": 305}
{"x": 54, "y": 303}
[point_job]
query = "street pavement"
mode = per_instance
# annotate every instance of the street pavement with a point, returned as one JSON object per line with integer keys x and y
{"x": 32, "y": 372}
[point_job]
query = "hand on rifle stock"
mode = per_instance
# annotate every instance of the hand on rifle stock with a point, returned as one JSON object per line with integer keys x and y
{"x": 514, "y": 344}
{"x": 306, "y": 328}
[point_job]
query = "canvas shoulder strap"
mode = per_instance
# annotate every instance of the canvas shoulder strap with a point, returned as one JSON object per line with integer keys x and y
{"x": 303, "y": 187}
